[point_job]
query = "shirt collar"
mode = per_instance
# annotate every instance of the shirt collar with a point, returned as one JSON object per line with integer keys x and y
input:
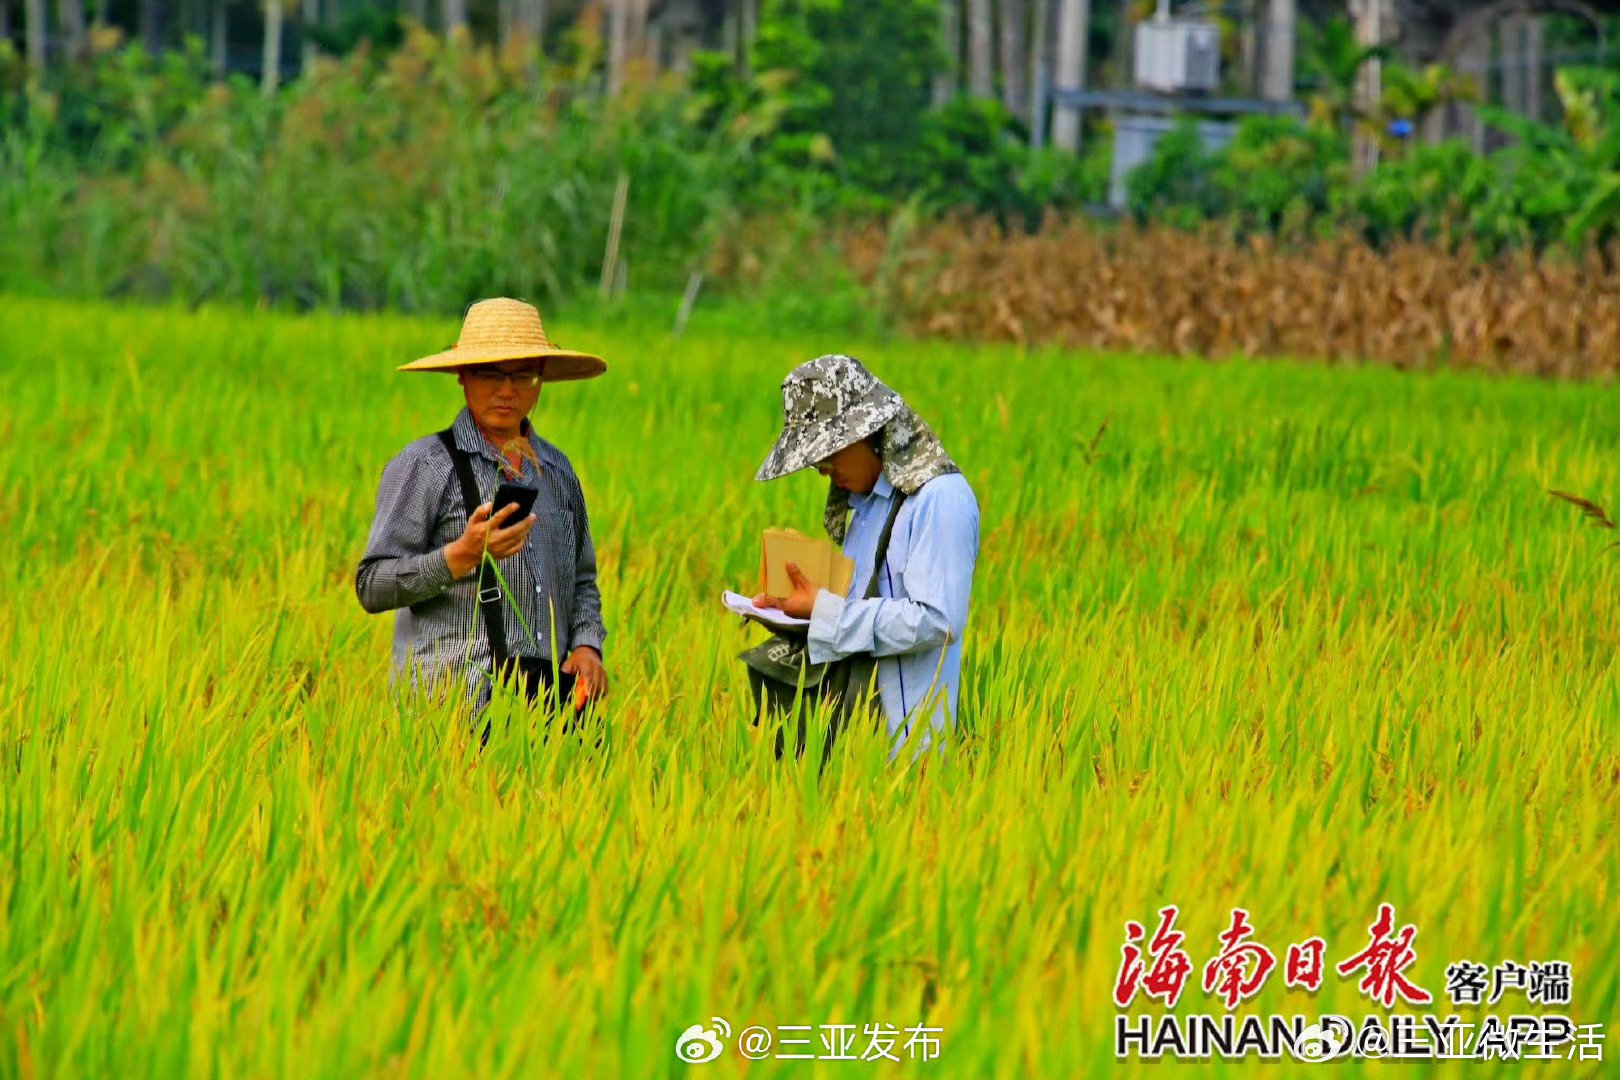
{"x": 470, "y": 439}
{"x": 882, "y": 490}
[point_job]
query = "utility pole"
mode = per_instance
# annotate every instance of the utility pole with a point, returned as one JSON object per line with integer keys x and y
{"x": 308, "y": 19}
{"x": 1510, "y": 34}
{"x": 950, "y": 44}
{"x": 1012, "y": 58}
{"x": 454, "y": 13}
{"x": 1277, "y": 80}
{"x": 35, "y": 15}
{"x": 1475, "y": 61}
{"x": 750, "y": 29}
{"x": 217, "y": 36}
{"x": 70, "y": 17}
{"x": 636, "y": 31}
{"x": 980, "y": 79}
{"x": 1248, "y": 47}
{"x": 1369, "y": 82}
{"x": 1535, "y": 48}
{"x": 1074, "y": 27}
{"x": 1037, "y": 73}
{"x": 270, "y": 77}
{"x": 618, "y": 44}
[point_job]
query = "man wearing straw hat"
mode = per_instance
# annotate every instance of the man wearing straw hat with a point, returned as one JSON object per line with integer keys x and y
{"x": 475, "y": 592}
{"x": 909, "y": 521}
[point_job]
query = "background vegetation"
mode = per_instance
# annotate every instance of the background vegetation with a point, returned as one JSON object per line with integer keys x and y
{"x": 1551, "y": 186}
{"x": 414, "y": 172}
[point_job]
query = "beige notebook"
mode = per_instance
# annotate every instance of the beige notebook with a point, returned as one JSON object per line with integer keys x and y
{"x": 818, "y": 558}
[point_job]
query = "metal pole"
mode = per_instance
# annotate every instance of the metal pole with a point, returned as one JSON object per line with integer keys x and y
{"x": 1074, "y": 24}
{"x": 1277, "y": 83}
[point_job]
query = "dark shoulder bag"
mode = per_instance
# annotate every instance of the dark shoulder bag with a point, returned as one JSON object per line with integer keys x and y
{"x": 784, "y": 681}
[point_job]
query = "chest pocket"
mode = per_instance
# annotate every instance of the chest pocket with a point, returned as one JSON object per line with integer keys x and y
{"x": 451, "y": 521}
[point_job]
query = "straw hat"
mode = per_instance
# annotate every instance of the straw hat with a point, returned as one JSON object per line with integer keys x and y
{"x": 503, "y": 329}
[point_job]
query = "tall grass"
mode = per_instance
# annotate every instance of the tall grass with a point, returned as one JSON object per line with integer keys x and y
{"x": 440, "y": 170}
{"x": 1284, "y": 637}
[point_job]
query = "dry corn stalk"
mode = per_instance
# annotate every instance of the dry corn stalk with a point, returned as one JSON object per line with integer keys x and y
{"x": 1156, "y": 289}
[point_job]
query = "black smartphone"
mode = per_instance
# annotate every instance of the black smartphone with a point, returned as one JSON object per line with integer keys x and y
{"x": 521, "y": 494}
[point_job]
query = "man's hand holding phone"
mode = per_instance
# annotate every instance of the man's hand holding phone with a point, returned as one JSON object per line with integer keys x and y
{"x": 504, "y": 538}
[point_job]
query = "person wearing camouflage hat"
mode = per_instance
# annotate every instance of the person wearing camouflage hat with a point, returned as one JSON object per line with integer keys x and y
{"x": 875, "y": 451}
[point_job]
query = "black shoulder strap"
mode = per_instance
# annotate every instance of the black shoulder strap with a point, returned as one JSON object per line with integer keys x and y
{"x": 489, "y": 600}
{"x": 883, "y": 543}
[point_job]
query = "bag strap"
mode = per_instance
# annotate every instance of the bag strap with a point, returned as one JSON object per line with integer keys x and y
{"x": 489, "y": 600}
{"x": 854, "y": 672}
{"x": 883, "y": 544}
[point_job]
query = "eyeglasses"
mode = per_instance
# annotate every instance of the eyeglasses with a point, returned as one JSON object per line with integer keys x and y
{"x": 494, "y": 377}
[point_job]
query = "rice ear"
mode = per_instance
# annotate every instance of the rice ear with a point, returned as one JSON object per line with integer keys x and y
{"x": 524, "y": 449}
{"x": 1588, "y": 507}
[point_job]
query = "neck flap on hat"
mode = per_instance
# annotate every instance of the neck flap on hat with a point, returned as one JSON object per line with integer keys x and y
{"x": 912, "y": 455}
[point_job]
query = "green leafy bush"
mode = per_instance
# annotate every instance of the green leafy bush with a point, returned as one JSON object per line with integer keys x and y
{"x": 1551, "y": 186}
{"x": 862, "y": 77}
{"x": 975, "y": 155}
{"x": 417, "y": 181}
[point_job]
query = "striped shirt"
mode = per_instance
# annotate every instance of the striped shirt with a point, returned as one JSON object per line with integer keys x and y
{"x": 437, "y": 621}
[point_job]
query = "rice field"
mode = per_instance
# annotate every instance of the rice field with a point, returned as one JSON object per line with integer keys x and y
{"x": 1298, "y": 639}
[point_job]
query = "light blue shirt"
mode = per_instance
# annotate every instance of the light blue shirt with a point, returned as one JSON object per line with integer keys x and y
{"x": 915, "y": 626}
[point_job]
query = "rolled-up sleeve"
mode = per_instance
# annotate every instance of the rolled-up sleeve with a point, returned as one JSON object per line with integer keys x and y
{"x": 587, "y": 628}
{"x": 937, "y": 582}
{"x": 401, "y": 566}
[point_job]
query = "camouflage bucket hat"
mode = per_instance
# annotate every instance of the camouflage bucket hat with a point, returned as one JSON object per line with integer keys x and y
{"x": 827, "y": 404}
{"x": 832, "y": 402}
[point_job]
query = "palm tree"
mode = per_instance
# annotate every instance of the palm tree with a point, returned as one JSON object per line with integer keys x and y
{"x": 1332, "y": 59}
{"x": 1585, "y": 145}
{"x": 1418, "y": 95}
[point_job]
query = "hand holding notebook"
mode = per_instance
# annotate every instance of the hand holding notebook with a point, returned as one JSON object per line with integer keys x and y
{"x": 817, "y": 560}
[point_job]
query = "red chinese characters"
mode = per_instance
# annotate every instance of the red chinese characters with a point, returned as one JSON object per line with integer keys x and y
{"x": 1305, "y": 963}
{"x": 1167, "y": 978}
{"x": 1241, "y": 968}
{"x": 1384, "y": 958}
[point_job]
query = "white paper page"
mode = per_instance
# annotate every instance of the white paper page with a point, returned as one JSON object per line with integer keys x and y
{"x": 744, "y": 605}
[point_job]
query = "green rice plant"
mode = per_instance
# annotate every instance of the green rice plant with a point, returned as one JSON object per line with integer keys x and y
{"x": 1281, "y": 636}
